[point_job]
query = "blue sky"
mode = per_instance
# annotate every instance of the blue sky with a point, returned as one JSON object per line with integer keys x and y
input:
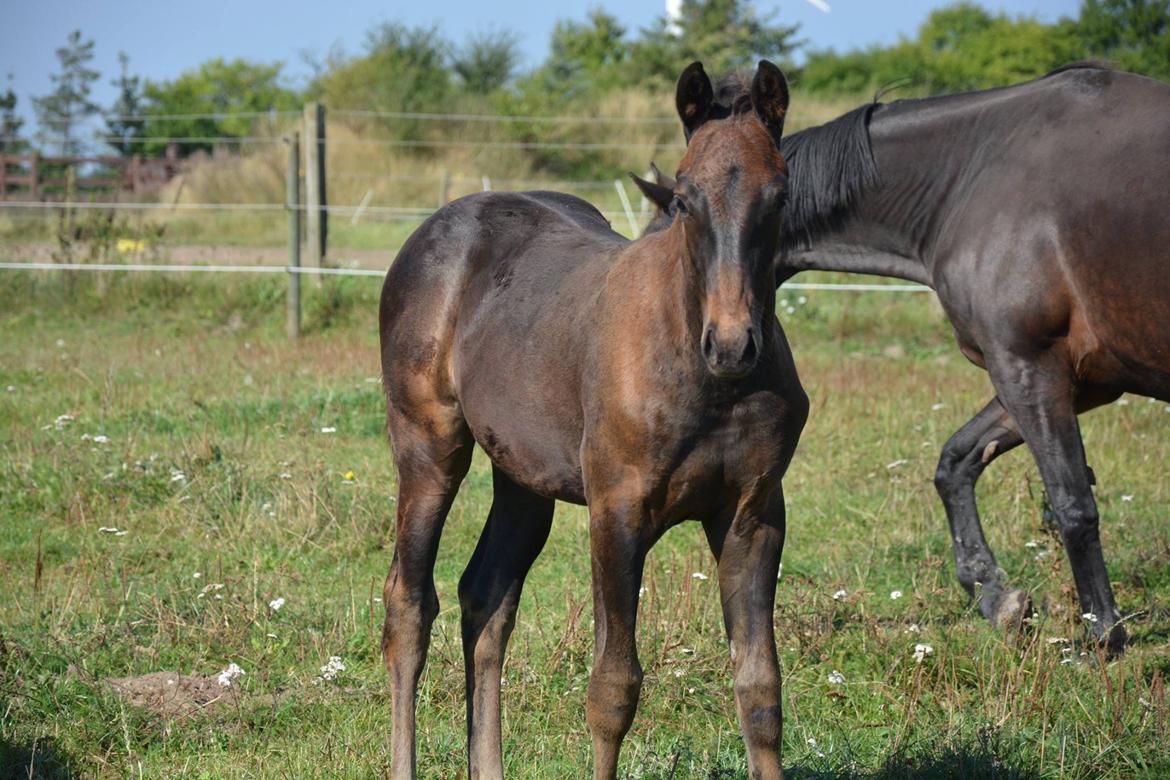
{"x": 165, "y": 38}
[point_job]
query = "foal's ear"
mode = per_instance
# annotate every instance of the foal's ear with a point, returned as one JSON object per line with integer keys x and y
{"x": 770, "y": 98}
{"x": 693, "y": 98}
{"x": 655, "y": 192}
{"x": 661, "y": 178}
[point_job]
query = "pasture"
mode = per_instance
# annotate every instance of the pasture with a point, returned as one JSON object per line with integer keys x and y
{"x": 172, "y": 467}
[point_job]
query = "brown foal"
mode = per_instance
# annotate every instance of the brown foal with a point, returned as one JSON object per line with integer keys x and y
{"x": 649, "y": 380}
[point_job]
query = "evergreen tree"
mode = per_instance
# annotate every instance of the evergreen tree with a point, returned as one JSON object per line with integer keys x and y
{"x": 62, "y": 112}
{"x": 124, "y": 122}
{"x": 10, "y": 123}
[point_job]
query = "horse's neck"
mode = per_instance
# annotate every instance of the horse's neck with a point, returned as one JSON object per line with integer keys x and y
{"x": 887, "y": 228}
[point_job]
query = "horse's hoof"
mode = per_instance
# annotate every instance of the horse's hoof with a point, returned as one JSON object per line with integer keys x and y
{"x": 1010, "y": 610}
{"x": 1113, "y": 641}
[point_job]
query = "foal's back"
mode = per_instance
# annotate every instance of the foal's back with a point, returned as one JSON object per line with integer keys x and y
{"x": 487, "y": 306}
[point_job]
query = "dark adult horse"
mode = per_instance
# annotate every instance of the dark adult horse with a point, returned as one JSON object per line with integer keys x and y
{"x": 1040, "y": 215}
{"x": 649, "y": 380}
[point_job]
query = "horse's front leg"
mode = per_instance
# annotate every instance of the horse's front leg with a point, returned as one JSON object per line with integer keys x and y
{"x": 618, "y": 543}
{"x": 747, "y": 544}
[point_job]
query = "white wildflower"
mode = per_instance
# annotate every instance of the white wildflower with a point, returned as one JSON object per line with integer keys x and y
{"x": 197, "y": 575}
{"x": 895, "y": 464}
{"x": 790, "y": 310}
{"x": 921, "y": 651}
{"x": 12, "y": 388}
{"x": 230, "y": 673}
{"x": 895, "y": 595}
{"x": 1057, "y": 640}
{"x": 1089, "y": 617}
{"x": 802, "y": 300}
{"x": 276, "y": 604}
{"x": 285, "y": 475}
{"x": 211, "y": 587}
{"x": 60, "y": 343}
{"x": 699, "y": 576}
{"x": 332, "y": 668}
{"x": 328, "y": 429}
{"x": 836, "y": 678}
{"x": 1032, "y": 543}
{"x": 1123, "y": 402}
{"x": 840, "y": 595}
{"x": 63, "y": 420}
{"x": 101, "y": 438}
{"x": 936, "y": 407}
{"x": 913, "y": 629}
{"x": 1127, "y": 498}
{"x": 177, "y": 475}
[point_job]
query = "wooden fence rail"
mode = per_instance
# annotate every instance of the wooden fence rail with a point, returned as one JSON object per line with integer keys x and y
{"x": 37, "y": 177}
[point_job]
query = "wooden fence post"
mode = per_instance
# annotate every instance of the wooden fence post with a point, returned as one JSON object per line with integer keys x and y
{"x": 445, "y": 188}
{"x": 34, "y": 173}
{"x": 316, "y": 218}
{"x": 293, "y": 206}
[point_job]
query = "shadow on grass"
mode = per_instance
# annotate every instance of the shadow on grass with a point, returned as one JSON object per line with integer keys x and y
{"x": 944, "y": 765}
{"x": 39, "y": 759}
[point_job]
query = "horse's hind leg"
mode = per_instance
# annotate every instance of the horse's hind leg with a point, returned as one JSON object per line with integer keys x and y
{"x": 748, "y": 549}
{"x": 432, "y": 456}
{"x": 988, "y": 434}
{"x": 1038, "y": 393}
{"x": 489, "y": 592}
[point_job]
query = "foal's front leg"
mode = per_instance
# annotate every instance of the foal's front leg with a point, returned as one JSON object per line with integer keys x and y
{"x": 619, "y": 543}
{"x": 747, "y": 547}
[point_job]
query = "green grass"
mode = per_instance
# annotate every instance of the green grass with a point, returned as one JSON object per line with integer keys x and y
{"x": 193, "y": 376}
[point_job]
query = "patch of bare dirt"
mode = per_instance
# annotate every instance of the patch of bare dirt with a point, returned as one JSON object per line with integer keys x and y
{"x": 174, "y": 695}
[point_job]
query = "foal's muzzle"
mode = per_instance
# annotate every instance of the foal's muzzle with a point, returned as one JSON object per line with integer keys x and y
{"x": 731, "y": 352}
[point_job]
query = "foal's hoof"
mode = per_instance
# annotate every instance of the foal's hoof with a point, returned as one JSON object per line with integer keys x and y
{"x": 1010, "y": 610}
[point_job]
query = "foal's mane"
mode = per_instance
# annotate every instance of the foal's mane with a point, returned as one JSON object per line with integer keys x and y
{"x": 828, "y": 165}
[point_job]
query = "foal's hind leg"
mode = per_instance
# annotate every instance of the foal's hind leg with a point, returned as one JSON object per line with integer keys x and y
{"x": 748, "y": 550}
{"x": 1038, "y": 392}
{"x": 966, "y": 454}
{"x": 432, "y": 458}
{"x": 489, "y": 592}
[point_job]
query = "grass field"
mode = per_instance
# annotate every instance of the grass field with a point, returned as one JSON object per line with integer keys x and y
{"x": 170, "y": 465}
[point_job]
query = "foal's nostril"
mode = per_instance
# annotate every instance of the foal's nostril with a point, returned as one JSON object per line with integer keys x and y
{"x": 750, "y": 350}
{"x": 709, "y": 343}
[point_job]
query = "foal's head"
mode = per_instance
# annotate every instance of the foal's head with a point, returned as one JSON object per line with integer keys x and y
{"x": 725, "y": 204}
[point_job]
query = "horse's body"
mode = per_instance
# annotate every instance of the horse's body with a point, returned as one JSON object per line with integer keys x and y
{"x": 1040, "y": 214}
{"x": 649, "y": 380}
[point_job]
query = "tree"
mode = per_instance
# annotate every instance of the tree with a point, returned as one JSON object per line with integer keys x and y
{"x": 124, "y": 122}
{"x": 403, "y": 69}
{"x": 727, "y": 35}
{"x": 221, "y": 100}
{"x": 63, "y": 110}
{"x": 486, "y": 62}
{"x": 1133, "y": 33}
{"x": 958, "y": 47}
{"x": 10, "y": 123}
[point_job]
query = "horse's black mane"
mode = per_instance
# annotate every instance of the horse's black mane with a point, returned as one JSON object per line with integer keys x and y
{"x": 828, "y": 168}
{"x": 828, "y": 165}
